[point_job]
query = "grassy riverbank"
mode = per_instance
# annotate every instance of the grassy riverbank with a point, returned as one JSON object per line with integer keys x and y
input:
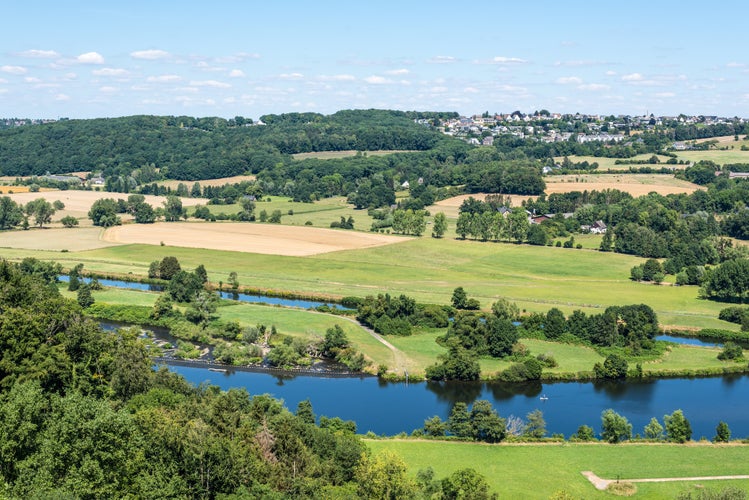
{"x": 540, "y": 470}
{"x": 416, "y": 352}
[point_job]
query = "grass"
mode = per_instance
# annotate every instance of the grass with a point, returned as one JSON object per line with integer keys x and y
{"x": 320, "y": 214}
{"x": 610, "y": 163}
{"x": 721, "y": 157}
{"x": 536, "y": 278}
{"x": 421, "y": 349}
{"x": 683, "y": 357}
{"x": 539, "y": 471}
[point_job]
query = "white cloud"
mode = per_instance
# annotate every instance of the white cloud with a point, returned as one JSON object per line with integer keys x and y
{"x": 610, "y": 73}
{"x": 210, "y": 83}
{"x": 90, "y": 58}
{"x": 149, "y": 55}
{"x": 443, "y": 59}
{"x": 111, "y": 72}
{"x": 377, "y": 80}
{"x": 402, "y": 71}
{"x": 164, "y": 78}
{"x": 593, "y": 87}
{"x": 236, "y": 73}
{"x": 633, "y": 77}
{"x": 31, "y": 79}
{"x": 13, "y": 70}
{"x": 338, "y": 78}
{"x": 735, "y": 65}
{"x": 567, "y": 80}
{"x": 239, "y": 57}
{"x": 665, "y": 94}
{"x": 291, "y": 76}
{"x": 471, "y": 90}
{"x": 108, "y": 90}
{"x": 508, "y": 60}
{"x": 42, "y": 54}
{"x": 62, "y": 97}
{"x": 3, "y": 80}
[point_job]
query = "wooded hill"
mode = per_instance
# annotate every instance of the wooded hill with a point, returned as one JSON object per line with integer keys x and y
{"x": 200, "y": 148}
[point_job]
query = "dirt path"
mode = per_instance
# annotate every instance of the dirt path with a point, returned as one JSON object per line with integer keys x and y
{"x": 602, "y": 484}
{"x": 400, "y": 358}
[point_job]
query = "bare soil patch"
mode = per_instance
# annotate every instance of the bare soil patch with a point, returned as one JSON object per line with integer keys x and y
{"x": 78, "y": 203}
{"x": 55, "y": 239}
{"x": 247, "y": 237}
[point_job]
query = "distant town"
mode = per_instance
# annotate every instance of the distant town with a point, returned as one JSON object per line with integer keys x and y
{"x": 557, "y": 127}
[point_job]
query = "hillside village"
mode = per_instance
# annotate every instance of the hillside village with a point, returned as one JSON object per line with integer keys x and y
{"x": 557, "y": 127}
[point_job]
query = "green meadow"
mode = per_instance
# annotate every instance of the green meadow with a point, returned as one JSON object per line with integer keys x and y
{"x": 541, "y": 470}
{"x": 536, "y": 278}
{"x": 293, "y": 213}
{"x": 605, "y": 164}
{"x": 417, "y": 351}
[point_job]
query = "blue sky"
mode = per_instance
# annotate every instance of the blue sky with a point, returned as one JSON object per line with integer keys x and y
{"x": 84, "y": 59}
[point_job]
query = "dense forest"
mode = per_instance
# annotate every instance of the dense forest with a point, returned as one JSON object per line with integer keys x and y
{"x": 200, "y": 148}
{"x": 84, "y": 415}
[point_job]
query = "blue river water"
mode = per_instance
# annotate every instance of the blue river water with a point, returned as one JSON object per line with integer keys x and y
{"x": 242, "y": 297}
{"x": 391, "y": 408}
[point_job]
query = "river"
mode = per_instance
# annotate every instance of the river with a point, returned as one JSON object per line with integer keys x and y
{"x": 389, "y": 408}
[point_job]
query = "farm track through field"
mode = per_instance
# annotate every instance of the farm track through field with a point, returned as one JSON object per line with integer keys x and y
{"x": 602, "y": 484}
{"x": 401, "y": 365}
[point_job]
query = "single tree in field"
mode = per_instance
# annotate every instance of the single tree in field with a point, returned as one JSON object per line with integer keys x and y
{"x": 69, "y": 221}
{"x": 172, "y": 209}
{"x": 654, "y": 430}
{"x": 42, "y": 210}
{"x": 722, "y": 433}
{"x": 440, "y": 225}
{"x": 85, "y": 299}
{"x": 536, "y": 426}
{"x": 678, "y": 429}
{"x": 614, "y": 427}
{"x": 168, "y": 267}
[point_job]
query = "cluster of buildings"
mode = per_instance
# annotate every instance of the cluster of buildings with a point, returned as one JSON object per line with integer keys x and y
{"x": 556, "y": 127}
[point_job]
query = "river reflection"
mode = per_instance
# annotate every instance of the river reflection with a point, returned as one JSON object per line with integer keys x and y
{"x": 390, "y": 408}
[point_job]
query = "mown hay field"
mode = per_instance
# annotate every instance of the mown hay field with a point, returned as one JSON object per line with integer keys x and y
{"x": 272, "y": 239}
{"x": 78, "y": 203}
{"x": 634, "y": 184}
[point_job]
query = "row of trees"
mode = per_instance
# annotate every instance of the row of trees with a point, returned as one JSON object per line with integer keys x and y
{"x": 13, "y": 214}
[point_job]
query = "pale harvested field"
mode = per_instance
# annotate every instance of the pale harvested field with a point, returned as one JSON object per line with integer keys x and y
{"x": 78, "y": 203}
{"x": 20, "y": 189}
{"x": 634, "y": 184}
{"x": 269, "y": 239}
{"x": 208, "y": 182}
{"x": 451, "y": 206}
{"x": 55, "y": 239}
